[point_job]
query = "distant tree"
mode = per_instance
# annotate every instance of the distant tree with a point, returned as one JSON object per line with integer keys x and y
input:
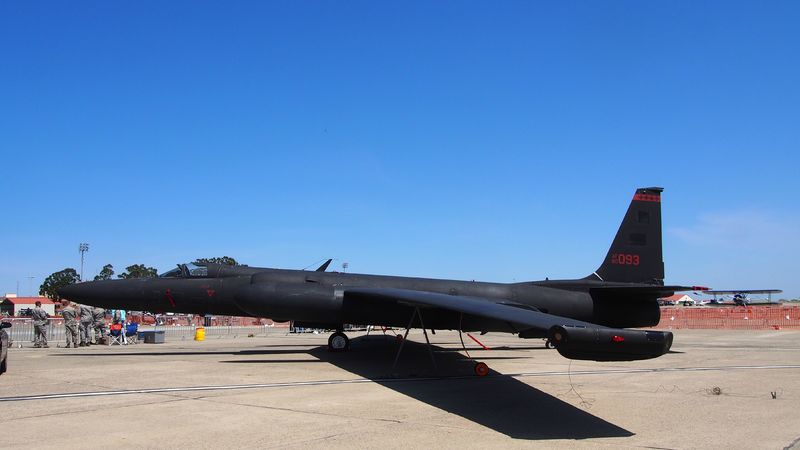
{"x": 138, "y": 271}
{"x": 106, "y": 274}
{"x": 56, "y": 280}
{"x": 219, "y": 260}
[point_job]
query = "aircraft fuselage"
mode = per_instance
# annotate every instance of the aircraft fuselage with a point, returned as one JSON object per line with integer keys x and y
{"x": 315, "y": 298}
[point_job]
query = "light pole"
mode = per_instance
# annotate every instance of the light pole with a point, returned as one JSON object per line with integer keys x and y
{"x": 30, "y": 286}
{"x": 83, "y": 248}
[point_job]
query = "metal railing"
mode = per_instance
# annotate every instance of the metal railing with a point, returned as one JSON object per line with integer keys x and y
{"x": 21, "y": 330}
{"x": 217, "y": 331}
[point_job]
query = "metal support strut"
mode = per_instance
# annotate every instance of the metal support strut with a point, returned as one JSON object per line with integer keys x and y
{"x": 480, "y": 368}
{"x": 414, "y": 314}
{"x": 461, "y": 338}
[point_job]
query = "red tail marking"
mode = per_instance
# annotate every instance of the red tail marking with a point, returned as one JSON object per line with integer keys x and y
{"x": 648, "y": 198}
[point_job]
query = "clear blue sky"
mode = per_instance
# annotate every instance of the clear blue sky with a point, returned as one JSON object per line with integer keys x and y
{"x": 472, "y": 140}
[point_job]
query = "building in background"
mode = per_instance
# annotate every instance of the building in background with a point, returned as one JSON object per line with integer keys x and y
{"x": 18, "y": 306}
{"x": 677, "y": 299}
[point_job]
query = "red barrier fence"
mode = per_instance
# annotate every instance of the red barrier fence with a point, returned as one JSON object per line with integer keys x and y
{"x": 730, "y": 318}
{"x": 198, "y": 320}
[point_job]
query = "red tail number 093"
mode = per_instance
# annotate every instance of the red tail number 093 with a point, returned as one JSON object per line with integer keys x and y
{"x": 625, "y": 259}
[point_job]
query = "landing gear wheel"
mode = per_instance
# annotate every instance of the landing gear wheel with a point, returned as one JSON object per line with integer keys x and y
{"x": 338, "y": 342}
{"x": 548, "y": 344}
{"x": 481, "y": 369}
{"x": 398, "y": 338}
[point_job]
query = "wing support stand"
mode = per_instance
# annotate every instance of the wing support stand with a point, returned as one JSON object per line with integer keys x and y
{"x": 415, "y": 314}
{"x": 480, "y": 368}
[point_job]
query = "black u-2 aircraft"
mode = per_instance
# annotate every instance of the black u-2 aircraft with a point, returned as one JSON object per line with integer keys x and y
{"x": 587, "y": 318}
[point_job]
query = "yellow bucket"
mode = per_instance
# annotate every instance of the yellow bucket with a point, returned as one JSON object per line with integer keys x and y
{"x": 200, "y": 334}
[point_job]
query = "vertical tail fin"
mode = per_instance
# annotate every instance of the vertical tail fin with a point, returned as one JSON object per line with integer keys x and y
{"x": 635, "y": 255}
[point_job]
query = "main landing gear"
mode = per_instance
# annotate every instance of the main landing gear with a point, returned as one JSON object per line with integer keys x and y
{"x": 480, "y": 368}
{"x": 338, "y": 342}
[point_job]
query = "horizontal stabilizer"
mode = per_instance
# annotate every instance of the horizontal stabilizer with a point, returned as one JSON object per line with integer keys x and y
{"x": 644, "y": 292}
{"x": 324, "y": 266}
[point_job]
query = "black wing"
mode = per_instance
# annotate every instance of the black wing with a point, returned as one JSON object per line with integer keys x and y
{"x": 574, "y": 339}
{"x": 519, "y": 315}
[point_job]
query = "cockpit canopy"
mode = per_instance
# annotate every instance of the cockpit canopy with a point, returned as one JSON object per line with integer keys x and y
{"x": 189, "y": 270}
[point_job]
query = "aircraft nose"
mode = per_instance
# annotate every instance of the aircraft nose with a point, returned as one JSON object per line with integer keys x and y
{"x": 116, "y": 294}
{"x": 73, "y": 292}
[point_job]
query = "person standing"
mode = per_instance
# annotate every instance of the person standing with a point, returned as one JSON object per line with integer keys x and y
{"x": 70, "y": 316}
{"x": 87, "y": 324}
{"x": 40, "y": 317}
{"x": 99, "y": 319}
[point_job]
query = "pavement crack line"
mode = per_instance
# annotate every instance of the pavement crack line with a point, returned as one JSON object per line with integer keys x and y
{"x": 61, "y": 413}
{"x": 300, "y": 444}
{"x": 383, "y": 381}
{"x": 276, "y": 408}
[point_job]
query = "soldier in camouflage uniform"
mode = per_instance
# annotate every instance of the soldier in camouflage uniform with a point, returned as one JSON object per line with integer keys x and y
{"x": 87, "y": 325}
{"x": 40, "y": 326}
{"x": 70, "y": 315}
{"x": 99, "y": 317}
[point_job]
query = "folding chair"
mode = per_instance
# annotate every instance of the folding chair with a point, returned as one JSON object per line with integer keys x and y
{"x": 116, "y": 335}
{"x": 131, "y": 332}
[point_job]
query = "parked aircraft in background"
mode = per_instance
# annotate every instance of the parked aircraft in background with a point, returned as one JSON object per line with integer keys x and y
{"x": 741, "y": 297}
{"x": 586, "y": 318}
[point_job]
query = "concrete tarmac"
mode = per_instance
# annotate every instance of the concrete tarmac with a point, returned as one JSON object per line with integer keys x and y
{"x": 714, "y": 390}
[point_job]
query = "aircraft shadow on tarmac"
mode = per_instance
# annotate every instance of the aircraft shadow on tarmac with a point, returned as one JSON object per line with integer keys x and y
{"x": 503, "y": 404}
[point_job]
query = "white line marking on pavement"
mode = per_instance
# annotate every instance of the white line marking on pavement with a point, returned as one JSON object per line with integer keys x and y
{"x": 228, "y": 387}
